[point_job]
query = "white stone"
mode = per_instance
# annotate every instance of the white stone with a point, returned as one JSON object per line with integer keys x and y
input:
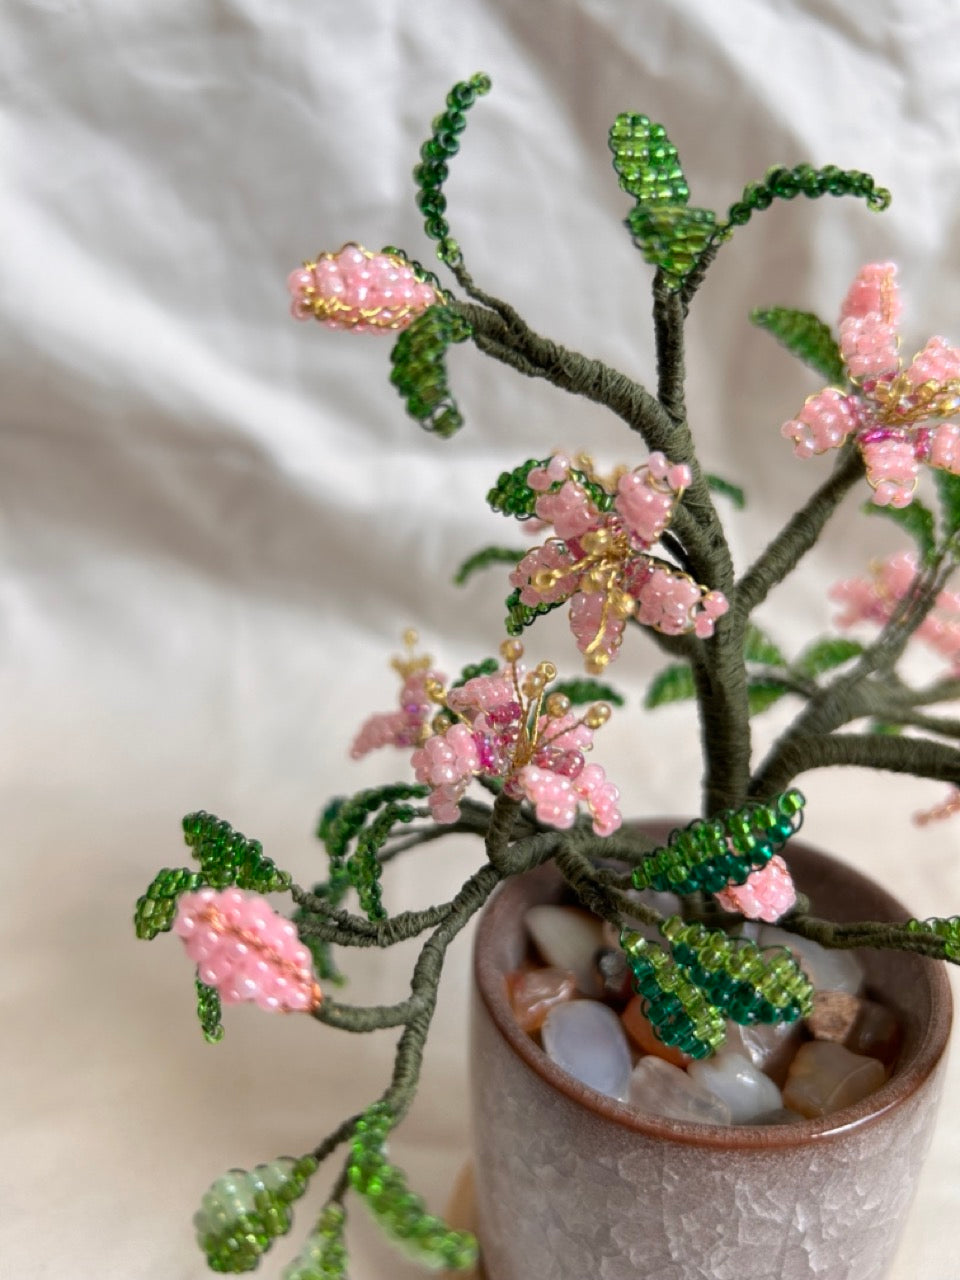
{"x": 827, "y": 970}
{"x": 568, "y": 938}
{"x": 737, "y": 1082}
{"x": 664, "y": 1090}
{"x": 770, "y": 1046}
{"x": 587, "y": 1040}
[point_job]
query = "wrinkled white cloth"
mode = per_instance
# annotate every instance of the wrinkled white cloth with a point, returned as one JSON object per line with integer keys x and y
{"x": 216, "y": 522}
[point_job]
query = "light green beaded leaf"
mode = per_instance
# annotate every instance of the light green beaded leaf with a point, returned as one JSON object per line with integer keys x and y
{"x": 156, "y": 909}
{"x": 324, "y": 1254}
{"x": 826, "y": 654}
{"x": 672, "y": 684}
{"x": 486, "y": 557}
{"x": 758, "y": 647}
{"x": 947, "y": 928}
{"x": 916, "y": 520}
{"x": 401, "y": 1214}
{"x": 806, "y": 336}
{"x": 672, "y": 240}
{"x": 520, "y": 615}
{"x": 243, "y": 1212}
{"x": 419, "y": 369}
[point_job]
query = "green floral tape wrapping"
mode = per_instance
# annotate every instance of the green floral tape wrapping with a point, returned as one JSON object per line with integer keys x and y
{"x": 243, "y": 1212}
{"x": 709, "y": 854}
{"x": 746, "y": 984}
{"x": 679, "y": 1012}
{"x": 398, "y": 1211}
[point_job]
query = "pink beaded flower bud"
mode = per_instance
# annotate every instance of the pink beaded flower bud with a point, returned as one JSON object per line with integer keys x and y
{"x": 244, "y": 949}
{"x": 356, "y": 289}
{"x": 765, "y": 895}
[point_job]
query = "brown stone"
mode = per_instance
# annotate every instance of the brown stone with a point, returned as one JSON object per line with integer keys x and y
{"x": 863, "y": 1026}
{"x": 638, "y": 1028}
{"x": 534, "y": 992}
{"x": 825, "y": 1076}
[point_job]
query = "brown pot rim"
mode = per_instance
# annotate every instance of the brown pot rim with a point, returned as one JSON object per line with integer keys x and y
{"x": 902, "y": 1085}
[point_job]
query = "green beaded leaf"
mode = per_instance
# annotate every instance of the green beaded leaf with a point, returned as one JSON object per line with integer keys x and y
{"x": 672, "y": 684}
{"x": 587, "y": 690}
{"x": 431, "y": 173}
{"x": 156, "y": 909}
{"x": 710, "y": 854}
{"x": 763, "y": 693}
{"x": 401, "y": 1214}
{"x": 678, "y": 1010}
{"x": 519, "y": 615}
{"x": 885, "y": 729}
{"x": 420, "y": 271}
{"x": 227, "y": 857}
{"x": 332, "y": 891}
{"x": 512, "y": 496}
{"x": 784, "y": 184}
{"x": 758, "y": 647}
{"x": 947, "y": 928}
{"x": 209, "y": 1010}
{"x": 672, "y": 240}
{"x": 484, "y": 558}
{"x": 244, "y": 1212}
{"x": 748, "y": 985}
{"x": 324, "y": 1254}
{"x": 363, "y": 868}
{"x": 804, "y": 335}
{"x": 948, "y": 491}
{"x": 419, "y": 368}
{"x": 826, "y": 654}
{"x": 340, "y": 828}
{"x": 646, "y": 161}
{"x": 728, "y": 489}
{"x": 916, "y": 520}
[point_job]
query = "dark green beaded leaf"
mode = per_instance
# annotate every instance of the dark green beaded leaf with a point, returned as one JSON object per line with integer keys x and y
{"x": 729, "y": 490}
{"x": 758, "y": 647}
{"x": 363, "y": 868}
{"x": 339, "y": 832}
{"x": 916, "y": 520}
{"x": 419, "y": 368}
{"x": 948, "y": 492}
{"x": 585, "y": 690}
{"x": 209, "y": 1010}
{"x": 804, "y": 335}
{"x": 710, "y": 854}
{"x": 520, "y": 615}
{"x": 487, "y": 667}
{"x": 673, "y": 684}
{"x": 431, "y": 173}
{"x": 513, "y": 496}
{"x": 227, "y": 857}
{"x": 803, "y": 179}
{"x": 156, "y": 909}
{"x": 332, "y": 891}
{"x": 244, "y": 1212}
{"x": 401, "y": 1214}
{"x": 484, "y": 558}
{"x": 763, "y": 692}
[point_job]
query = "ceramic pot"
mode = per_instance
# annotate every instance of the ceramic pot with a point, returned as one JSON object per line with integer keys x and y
{"x": 572, "y": 1185}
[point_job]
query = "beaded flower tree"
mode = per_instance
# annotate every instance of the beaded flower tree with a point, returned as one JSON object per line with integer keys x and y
{"x": 641, "y": 550}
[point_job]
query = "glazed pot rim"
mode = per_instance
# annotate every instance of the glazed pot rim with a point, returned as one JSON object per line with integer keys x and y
{"x": 902, "y": 1085}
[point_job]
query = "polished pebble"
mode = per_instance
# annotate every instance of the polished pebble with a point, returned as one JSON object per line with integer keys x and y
{"x": 664, "y": 1090}
{"x": 568, "y": 938}
{"x": 771, "y": 1046}
{"x": 640, "y": 1031}
{"x": 586, "y": 1039}
{"x": 534, "y": 992}
{"x": 616, "y": 980}
{"x": 863, "y": 1026}
{"x": 828, "y": 970}
{"x": 737, "y": 1082}
{"x": 825, "y": 1076}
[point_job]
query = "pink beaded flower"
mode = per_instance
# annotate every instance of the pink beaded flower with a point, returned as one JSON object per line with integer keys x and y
{"x": 359, "y": 290}
{"x": 874, "y": 599}
{"x": 407, "y": 726}
{"x": 601, "y": 561}
{"x": 765, "y": 895}
{"x": 244, "y": 949}
{"x": 893, "y": 412}
{"x": 507, "y": 727}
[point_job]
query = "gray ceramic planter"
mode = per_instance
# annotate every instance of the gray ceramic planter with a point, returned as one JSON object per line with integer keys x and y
{"x": 574, "y": 1186}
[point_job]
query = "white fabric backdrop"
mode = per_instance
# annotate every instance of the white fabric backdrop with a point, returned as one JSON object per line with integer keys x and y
{"x": 215, "y": 521}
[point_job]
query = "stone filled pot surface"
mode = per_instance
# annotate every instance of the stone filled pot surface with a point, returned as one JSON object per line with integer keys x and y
{"x": 572, "y": 1184}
